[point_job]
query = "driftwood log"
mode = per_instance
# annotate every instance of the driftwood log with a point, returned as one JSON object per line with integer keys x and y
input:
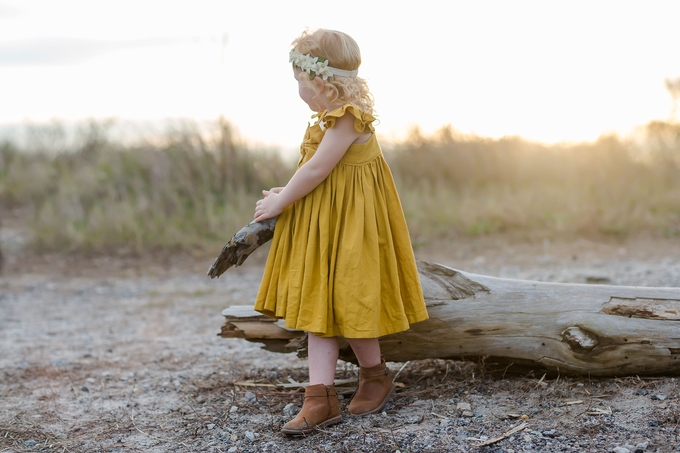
{"x": 596, "y": 330}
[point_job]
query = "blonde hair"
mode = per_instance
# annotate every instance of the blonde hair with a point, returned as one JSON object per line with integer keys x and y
{"x": 342, "y": 52}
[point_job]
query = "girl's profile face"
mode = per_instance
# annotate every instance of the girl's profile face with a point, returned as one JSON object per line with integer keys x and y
{"x": 305, "y": 91}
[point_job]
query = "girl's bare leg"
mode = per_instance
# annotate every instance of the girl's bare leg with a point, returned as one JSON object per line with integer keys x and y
{"x": 323, "y": 358}
{"x": 321, "y": 406}
{"x": 367, "y": 351}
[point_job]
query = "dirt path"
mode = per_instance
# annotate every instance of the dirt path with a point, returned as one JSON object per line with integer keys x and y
{"x": 122, "y": 356}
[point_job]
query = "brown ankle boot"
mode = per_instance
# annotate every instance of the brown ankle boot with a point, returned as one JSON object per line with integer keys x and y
{"x": 375, "y": 388}
{"x": 320, "y": 409}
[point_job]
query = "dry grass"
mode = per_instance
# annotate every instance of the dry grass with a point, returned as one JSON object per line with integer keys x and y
{"x": 468, "y": 185}
{"x": 185, "y": 190}
{"x": 191, "y": 188}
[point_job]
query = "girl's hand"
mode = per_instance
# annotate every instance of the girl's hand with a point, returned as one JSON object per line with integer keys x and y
{"x": 269, "y": 206}
{"x": 272, "y": 190}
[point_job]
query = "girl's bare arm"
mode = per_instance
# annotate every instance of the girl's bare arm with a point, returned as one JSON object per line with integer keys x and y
{"x": 333, "y": 146}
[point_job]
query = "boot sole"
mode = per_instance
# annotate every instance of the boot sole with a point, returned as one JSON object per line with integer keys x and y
{"x": 379, "y": 408}
{"x": 300, "y": 432}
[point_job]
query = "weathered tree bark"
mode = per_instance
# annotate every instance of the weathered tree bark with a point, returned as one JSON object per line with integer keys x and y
{"x": 597, "y": 330}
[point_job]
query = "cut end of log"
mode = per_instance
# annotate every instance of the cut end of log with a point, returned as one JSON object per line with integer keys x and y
{"x": 244, "y": 322}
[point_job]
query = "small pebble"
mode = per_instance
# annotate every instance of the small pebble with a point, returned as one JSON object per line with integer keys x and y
{"x": 30, "y": 443}
{"x": 251, "y": 436}
{"x": 550, "y": 433}
{"x": 211, "y": 426}
{"x": 290, "y": 410}
{"x": 232, "y": 449}
{"x": 250, "y": 397}
{"x": 642, "y": 446}
{"x": 620, "y": 450}
{"x": 463, "y": 406}
{"x": 233, "y": 409}
{"x": 467, "y": 414}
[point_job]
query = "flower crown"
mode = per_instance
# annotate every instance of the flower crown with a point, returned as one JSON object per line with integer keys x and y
{"x": 317, "y": 66}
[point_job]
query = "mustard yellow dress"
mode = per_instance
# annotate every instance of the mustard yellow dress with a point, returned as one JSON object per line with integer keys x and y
{"x": 341, "y": 261}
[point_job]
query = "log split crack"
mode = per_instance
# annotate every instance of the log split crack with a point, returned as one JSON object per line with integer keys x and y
{"x": 645, "y": 308}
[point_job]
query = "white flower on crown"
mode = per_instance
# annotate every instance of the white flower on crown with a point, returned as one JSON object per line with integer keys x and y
{"x": 314, "y": 66}
{"x": 321, "y": 69}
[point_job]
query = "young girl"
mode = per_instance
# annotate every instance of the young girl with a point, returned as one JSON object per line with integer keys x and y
{"x": 341, "y": 262}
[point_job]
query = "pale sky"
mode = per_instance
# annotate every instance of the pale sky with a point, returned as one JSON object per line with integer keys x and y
{"x": 546, "y": 70}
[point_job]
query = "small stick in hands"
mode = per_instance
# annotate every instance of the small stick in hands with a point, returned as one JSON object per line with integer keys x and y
{"x": 242, "y": 244}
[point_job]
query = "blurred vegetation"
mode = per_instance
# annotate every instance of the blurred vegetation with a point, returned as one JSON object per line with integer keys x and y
{"x": 472, "y": 185}
{"x": 188, "y": 189}
{"x": 192, "y": 189}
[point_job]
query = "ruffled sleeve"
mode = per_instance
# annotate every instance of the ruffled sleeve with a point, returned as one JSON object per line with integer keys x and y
{"x": 362, "y": 120}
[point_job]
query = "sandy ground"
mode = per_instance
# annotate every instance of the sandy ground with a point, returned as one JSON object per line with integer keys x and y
{"x": 122, "y": 355}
